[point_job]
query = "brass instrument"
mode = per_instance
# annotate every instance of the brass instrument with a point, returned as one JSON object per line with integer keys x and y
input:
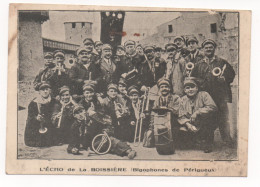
{"x": 59, "y": 122}
{"x": 42, "y": 129}
{"x": 218, "y": 72}
{"x": 139, "y": 121}
{"x": 189, "y": 67}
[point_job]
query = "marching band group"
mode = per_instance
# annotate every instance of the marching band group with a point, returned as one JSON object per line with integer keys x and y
{"x": 113, "y": 92}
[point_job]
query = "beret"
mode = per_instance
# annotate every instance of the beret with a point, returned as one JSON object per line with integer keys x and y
{"x": 79, "y": 50}
{"x": 122, "y": 81}
{"x": 194, "y": 39}
{"x": 63, "y": 89}
{"x": 190, "y": 80}
{"x": 77, "y": 109}
{"x": 44, "y": 85}
{"x": 179, "y": 37}
{"x": 88, "y": 41}
{"x": 97, "y": 43}
{"x": 170, "y": 46}
{"x": 48, "y": 54}
{"x": 120, "y": 47}
{"x": 147, "y": 48}
{"x": 59, "y": 53}
{"x": 112, "y": 86}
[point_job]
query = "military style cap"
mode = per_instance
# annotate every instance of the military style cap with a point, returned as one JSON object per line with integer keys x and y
{"x": 190, "y": 81}
{"x": 112, "y": 86}
{"x": 209, "y": 41}
{"x": 44, "y": 85}
{"x": 89, "y": 85}
{"x": 133, "y": 89}
{"x": 106, "y": 47}
{"x": 79, "y": 50}
{"x": 48, "y": 54}
{"x": 88, "y": 41}
{"x": 122, "y": 81}
{"x": 120, "y": 47}
{"x": 179, "y": 37}
{"x": 97, "y": 43}
{"x": 190, "y": 39}
{"x": 162, "y": 81}
{"x": 156, "y": 48}
{"x": 77, "y": 109}
{"x": 59, "y": 53}
{"x": 170, "y": 46}
{"x": 63, "y": 89}
{"x": 148, "y": 48}
{"x": 139, "y": 45}
{"x": 129, "y": 42}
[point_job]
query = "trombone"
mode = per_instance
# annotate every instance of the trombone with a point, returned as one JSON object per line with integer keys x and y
{"x": 139, "y": 120}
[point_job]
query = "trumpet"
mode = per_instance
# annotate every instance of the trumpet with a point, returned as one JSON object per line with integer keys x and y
{"x": 42, "y": 129}
{"x": 189, "y": 67}
{"x": 218, "y": 72}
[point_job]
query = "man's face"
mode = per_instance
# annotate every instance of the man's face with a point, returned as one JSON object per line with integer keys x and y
{"x": 84, "y": 57}
{"x": 89, "y": 95}
{"x": 81, "y": 115}
{"x": 121, "y": 89}
{"x": 157, "y": 54}
{"x": 89, "y": 47}
{"x": 191, "y": 90}
{"x": 150, "y": 54}
{"x": 209, "y": 50}
{"x": 164, "y": 89}
{"x": 59, "y": 59}
{"x": 107, "y": 53}
{"x": 120, "y": 52}
{"x": 134, "y": 97}
{"x": 139, "y": 50}
{"x": 65, "y": 97}
{"x": 130, "y": 49}
{"x": 192, "y": 46}
{"x": 112, "y": 93}
{"x": 45, "y": 92}
{"x": 48, "y": 60}
{"x": 179, "y": 42}
{"x": 99, "y": 48}
{"x": 171, "y": 52}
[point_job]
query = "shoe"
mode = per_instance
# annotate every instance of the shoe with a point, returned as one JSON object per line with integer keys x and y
{"x": 208, "y": 149}
{"x": 131, "y": 154}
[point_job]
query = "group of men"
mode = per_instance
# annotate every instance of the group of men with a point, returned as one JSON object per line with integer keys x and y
{"x": 191, "y": 81}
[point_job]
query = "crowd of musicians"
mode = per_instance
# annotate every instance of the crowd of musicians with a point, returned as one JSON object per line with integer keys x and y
{"x": 110, "y": 90}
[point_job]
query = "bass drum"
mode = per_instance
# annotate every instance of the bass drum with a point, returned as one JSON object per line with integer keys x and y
{"x": 162, "y": 132}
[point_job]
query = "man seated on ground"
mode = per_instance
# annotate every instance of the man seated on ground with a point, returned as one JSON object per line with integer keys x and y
{"x": 196, "y": 113}
{"x": 85, "y": 128}
{"x": 62, "y": 117}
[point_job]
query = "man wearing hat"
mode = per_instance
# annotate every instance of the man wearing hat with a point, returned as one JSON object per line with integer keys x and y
{"x": 217, "y": 84}
{"x": 84, "y": 69}
{"x": 181, "y": 50}
{"x": 47, "y": 73}
{"x": 107, "y": 67}
{"x": 139, "y": 49}
{"x": 197, "y": 113}
{"x": 85, "y": 128}
{"x": 152, "y": 69}
{"x": 89, "y": 45}
{"x": 122, "y": 91}
{"x": 62, "y": 117}
{"x": 175, "y": 67}
{"x": 157, "y": 51}
{"x": 98, "y": 48}
{"x": 195, "y": 54}
{"x": 38, "y": 130}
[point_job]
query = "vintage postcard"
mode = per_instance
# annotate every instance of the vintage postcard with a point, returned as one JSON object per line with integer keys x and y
{"x": 95, "y": 90}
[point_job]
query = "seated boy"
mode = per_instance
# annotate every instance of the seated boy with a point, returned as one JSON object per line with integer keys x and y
{"x": 196, "y": 113}
{"x": 84, "y": 130}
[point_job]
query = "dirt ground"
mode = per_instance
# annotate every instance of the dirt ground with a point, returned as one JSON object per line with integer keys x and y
{"x": 220, "y": 152}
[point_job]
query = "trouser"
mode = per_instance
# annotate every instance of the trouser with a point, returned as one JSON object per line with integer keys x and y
{"x": 223, "y": 121}
{"x": 118, "y": 147}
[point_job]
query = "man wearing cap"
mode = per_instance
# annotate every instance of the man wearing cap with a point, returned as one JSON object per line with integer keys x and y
{"x": 84, "y": 69}
{"x": 157, "y": 52}
{"x": 39, "y": 129}
{"x": 197, "y": 113}
{"x": 181, "y": 50}
{"x": 152, "y": 68}
{"x": 195, "y": 54}
{"x": 122, "y": 89}
{"x": 175, "y": 68}
{"x": 217, "y": 85}
{"x": 107, "y": 67}
{"x": 139, "y": 50}
{"x": 46, "y": 74}
{"x": 62, "y": 117}
{"x": 98, "y": 48}
{"x": 85, "y": 128}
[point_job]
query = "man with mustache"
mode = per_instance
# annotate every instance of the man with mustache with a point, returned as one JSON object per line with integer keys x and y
{"x": 175, "y": 68}
{"x": 197, "y": 114}
{"x": 218, "y": 86}
{"x": 84, "y": 69}
{"x": 152, "y": 69}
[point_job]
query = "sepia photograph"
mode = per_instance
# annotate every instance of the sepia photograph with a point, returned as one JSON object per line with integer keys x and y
{"x": 128, "y": 84}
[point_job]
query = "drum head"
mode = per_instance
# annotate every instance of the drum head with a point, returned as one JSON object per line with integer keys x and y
{"x": 101, "y": 144}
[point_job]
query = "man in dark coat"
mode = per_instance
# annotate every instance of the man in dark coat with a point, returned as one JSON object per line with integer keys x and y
{"x": 85, "y": 69}
{"x": 217, "y": 83}
{"x": 39, "y": 129}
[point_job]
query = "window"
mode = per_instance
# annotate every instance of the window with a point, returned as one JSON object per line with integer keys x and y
{"x": 170, "y": 28}
{"x": 73, "y": 25}
{"x": 213, "y": 28}
{"x": 82, "y": 25}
